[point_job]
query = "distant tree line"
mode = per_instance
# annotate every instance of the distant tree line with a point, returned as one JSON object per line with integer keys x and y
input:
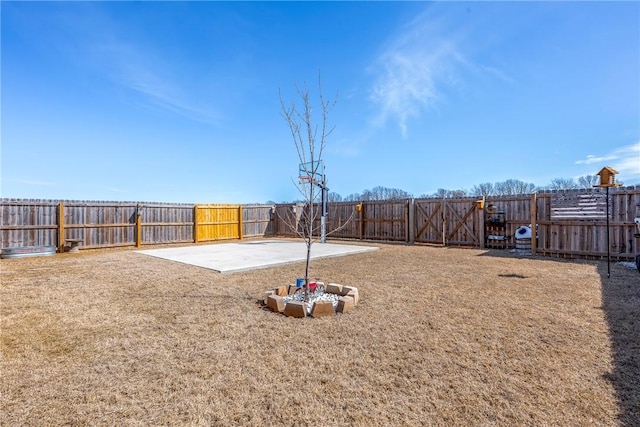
{"x": 510, "y": 187}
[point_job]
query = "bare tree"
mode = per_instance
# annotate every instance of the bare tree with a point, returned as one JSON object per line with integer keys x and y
{"x": 335, "y": 197}
{"x": 513, "y": 187}
{"x": 485, "y": 189}
{"x": 310, "y": 140}
{"x": 563, "y": 184}
{"x": 443, "y": 193}
{"x": 588, "y": 181}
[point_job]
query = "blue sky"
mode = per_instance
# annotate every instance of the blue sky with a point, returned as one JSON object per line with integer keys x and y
{"x": 179, "y": 101}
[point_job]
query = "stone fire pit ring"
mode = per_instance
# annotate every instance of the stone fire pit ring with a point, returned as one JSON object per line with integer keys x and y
{"x": 334, "y": 299}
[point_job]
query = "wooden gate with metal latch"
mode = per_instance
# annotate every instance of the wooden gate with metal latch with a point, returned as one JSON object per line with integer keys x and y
{"x": 448, "y": 222}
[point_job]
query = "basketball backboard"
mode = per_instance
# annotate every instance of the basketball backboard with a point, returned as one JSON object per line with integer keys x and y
{"x": 311, "y": 171}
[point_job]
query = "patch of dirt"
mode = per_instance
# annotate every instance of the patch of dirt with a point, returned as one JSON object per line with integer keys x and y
{"x": 479, "y": 338}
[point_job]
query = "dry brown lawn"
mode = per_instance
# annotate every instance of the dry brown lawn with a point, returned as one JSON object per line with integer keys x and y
{"x": 441, "y": 336}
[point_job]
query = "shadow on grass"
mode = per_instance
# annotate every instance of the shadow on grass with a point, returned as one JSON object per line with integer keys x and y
{"x": 621, "y": 304}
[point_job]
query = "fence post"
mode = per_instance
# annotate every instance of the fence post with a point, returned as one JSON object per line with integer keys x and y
{"x": 361, "y": 220}
{"x": 240, "y": 222}
{"x": 481, "y": 225}
{"x": 444, "y": 222}
{"x": 412, "y": 221}
{"x": 534, "y": 225}
{"x": 195, "y": 223}
{"x": 60, "y": 227}
{"x": 138, "y": 225}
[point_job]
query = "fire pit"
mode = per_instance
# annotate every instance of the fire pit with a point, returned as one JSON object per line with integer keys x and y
{"x": 323, "y": 300}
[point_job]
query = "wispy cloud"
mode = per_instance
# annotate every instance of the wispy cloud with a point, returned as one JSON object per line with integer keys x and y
{"x": 121, "y": 55}
{"x": 409, "y": 72}
{"x": 625, "y": 159}
{"x": 417, "y": 69}
{"x": 134, "y": 68}
{"x": 591, "y": 159}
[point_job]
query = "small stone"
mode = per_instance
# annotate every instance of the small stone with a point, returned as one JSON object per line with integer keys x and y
{"x": 345, "y": 304}
{"x": 322, "y": 308}
{"x": 266, "y": 295}
{"x": 281, "y": 290}
{"x": 296, "y": 309}
{"x": 334, "y": 288}
{"x": 346, "y": 289}
{"x": 355, "y": 295}
{"x": 275, "y": 303}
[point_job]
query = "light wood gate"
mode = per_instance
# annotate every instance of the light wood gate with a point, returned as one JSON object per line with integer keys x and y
{"x": 217, "y": 222}
{"x": 448, "y": 222}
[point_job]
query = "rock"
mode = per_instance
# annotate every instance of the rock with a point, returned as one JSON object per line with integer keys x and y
{"x": 296, "y": 309}
{"x": 333, "y": 288}
{"x": 266, "y": 295}
{"x": 276, "y": 303}
{"x": 281, "y": 290}
{"x": 345, "y": 304}
{"x": 355, "y": 295}
{"x": 322, "y": 308}
{"x": 346, "y": 289}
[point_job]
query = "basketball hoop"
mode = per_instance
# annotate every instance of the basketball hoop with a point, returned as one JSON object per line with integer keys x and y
{"x": 305, "y": 179}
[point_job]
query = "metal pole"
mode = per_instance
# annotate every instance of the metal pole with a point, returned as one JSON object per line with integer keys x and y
{"x": 323, "y": 218}
{"x": 608, "y": 253}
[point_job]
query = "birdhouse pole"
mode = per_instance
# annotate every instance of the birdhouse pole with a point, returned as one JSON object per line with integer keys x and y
{"x": 607, "y": 179}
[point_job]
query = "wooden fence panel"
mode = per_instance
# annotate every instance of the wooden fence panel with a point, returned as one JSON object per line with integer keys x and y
{"x": 386, "y": 220}
{"x": 28, "y": 223}
{"x": 587, "y": 238}
{"x": 257, "y": 220}
{"x": 453, "y": 221}
{"x": 344, "y": 218}
{"x": 218, "y": 222}
{"x": 517, "y": 212}
{"x": 462, "y": 223}
{"x": 100, "y": 224}
{"x": 166, "y": 223}
{"x": 429, "y": 221}
{"x": 448, "y": 222}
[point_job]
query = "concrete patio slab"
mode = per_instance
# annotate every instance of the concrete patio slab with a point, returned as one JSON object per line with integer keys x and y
{"x": 241, "y": 256}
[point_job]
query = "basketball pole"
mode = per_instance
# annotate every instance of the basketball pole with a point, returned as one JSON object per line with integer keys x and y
{"x": 323, "y": 217}
{"x": 308, "y": 172}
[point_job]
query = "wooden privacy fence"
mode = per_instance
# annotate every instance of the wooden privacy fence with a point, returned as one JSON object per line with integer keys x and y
{"x": 568, "y": 223}
{"x": 113, "y": 224}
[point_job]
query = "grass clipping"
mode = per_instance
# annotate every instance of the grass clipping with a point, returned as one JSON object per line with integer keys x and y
{"x": 440, "y": 337}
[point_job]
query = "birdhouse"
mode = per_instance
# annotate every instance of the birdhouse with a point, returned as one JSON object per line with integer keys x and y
{"x": 608, "y": 177}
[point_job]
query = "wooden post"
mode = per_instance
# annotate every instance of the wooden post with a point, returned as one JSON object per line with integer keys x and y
{"x": 60, "y": 227}
{"x": 481, "y": 236}
{"x": 361, "y": 220}
{"x": 195, "y": 223}
{"x": 411, "y": 226}
{"x": 534, "y": 223}
{"x": 138, "y": 225}
{"x": 240, "y": 222}
{"x": 444, "y": 223}
{"x": 273, "y": 218}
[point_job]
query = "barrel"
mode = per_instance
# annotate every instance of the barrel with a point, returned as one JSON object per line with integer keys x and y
{"x": 523, "y": 244}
